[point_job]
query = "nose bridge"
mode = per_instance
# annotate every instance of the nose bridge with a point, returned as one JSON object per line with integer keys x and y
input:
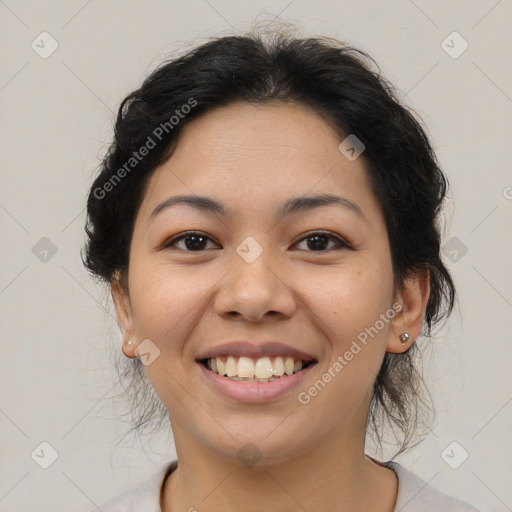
{"x": 252, "y": 265}
{"x": 255, "y": 285}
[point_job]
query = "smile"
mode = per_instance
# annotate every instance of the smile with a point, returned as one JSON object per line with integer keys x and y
{"x": 262, "y": 369}
{"x": 237, "y": 378}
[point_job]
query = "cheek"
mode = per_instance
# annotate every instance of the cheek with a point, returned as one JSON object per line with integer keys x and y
{"x": 350, "y": 304}
{"x": 166, "y": 304}
{"x": 166, "y": 300}
{"x": 350, "y": 299}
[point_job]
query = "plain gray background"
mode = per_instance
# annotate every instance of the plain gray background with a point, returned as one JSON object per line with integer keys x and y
{"x": 57, "y": 116}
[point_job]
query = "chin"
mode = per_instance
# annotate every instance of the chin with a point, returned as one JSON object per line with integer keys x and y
{"x": 253, "y": 446}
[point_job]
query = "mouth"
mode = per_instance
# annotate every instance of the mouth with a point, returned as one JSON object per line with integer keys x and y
{"x": 261, "y": 370}
{"x": 254, "y": 373}
{"x": 284, "y": 380}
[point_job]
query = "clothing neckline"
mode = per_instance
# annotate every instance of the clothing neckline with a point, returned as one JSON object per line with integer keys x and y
{"x": 168, "y": 470}
{"x": 413, "y": 493}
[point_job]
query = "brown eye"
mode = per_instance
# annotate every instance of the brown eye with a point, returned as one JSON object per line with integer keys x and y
{"x": 318, "y": 241}
{"x": 190, "y": 242}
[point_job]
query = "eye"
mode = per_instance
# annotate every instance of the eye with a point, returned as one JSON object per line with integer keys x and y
{"x": 194, "y": 241}
{"x": 319, "y": 240}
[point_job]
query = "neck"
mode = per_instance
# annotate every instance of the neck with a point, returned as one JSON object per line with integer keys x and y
{"x": 335, "y": 474}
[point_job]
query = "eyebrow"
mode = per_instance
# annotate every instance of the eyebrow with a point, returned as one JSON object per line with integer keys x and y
{"x": 294, "y": 205}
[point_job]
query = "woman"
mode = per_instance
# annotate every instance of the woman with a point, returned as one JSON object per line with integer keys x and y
{"x": 267, "y": 220}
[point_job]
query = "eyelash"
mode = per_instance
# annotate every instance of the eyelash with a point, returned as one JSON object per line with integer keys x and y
{"x": 341, "y": 244}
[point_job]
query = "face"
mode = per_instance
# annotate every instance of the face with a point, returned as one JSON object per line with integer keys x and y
{"x": 312, "y": 278}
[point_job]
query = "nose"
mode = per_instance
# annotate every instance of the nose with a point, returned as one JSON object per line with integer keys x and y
{"x": 256, "y": 290}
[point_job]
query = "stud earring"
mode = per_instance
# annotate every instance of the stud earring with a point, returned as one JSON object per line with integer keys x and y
{"x": 404, "y": 338}
{"x": 129, "y": 343}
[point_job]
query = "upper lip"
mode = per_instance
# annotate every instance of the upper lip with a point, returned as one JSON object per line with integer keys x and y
{"x": 255, "y": 350}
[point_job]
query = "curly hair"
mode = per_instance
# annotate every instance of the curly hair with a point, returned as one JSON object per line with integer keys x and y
{"x": 343, "y": 85}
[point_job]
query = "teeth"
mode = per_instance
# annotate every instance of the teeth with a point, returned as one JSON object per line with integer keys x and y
{"x": 278, "y": 366}
{"x": 246, "y": 369}
{"x": 231, "y": 368}
{"x": 263, "y": 368}
{"x": 288, "y": 366}
{"x": 221, "y": 367}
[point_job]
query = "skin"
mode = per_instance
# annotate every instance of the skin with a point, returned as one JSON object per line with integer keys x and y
{"x": 252, "y": 159}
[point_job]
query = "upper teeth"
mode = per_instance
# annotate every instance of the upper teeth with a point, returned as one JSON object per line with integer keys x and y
{"x": 262, "y": 368}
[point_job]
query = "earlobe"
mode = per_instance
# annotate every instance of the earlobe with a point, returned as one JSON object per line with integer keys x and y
{"x": 406, "y": 325}
{"x": 121, "y": 299}
{"x": 127, "y": 349}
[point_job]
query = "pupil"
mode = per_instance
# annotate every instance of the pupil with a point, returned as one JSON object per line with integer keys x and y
{"x": 318, "y": 239}
{"x": 318, "y": 242}
{"x": 196, "y": 246}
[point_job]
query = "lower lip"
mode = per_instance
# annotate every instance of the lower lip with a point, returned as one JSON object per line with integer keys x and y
{"x": 254, "y": 392}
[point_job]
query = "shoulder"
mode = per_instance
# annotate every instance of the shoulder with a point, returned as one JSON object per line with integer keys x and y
{"x": 415, "y": 495}
{"x": 144, "y": 496}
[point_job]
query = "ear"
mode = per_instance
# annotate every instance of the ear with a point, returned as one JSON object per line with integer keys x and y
{"x": 412, "y": 298}
{"x": 122, "y": 303}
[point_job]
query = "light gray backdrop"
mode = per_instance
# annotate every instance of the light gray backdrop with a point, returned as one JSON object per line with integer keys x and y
{"x": 57, "y": 105}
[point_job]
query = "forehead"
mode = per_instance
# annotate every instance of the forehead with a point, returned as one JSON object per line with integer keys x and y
{"x": 251, "y": 156}
{"x": 283, "y": 131}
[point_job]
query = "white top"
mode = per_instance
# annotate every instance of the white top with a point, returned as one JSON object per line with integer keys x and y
{"x": 414, "y": 495}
